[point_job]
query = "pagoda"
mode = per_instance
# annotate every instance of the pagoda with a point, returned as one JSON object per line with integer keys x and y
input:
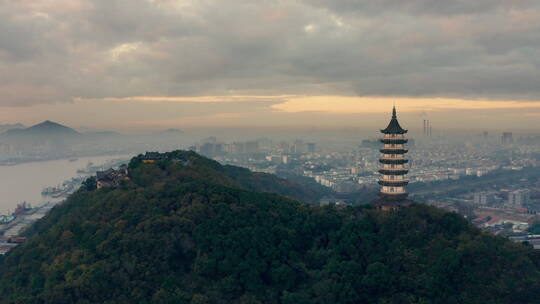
{"x": 393, "y": 169}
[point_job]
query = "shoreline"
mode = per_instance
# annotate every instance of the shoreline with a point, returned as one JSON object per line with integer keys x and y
{"x": 25, "y": 182}
{"x": 11, "y": 163}
{"x": 12, "y": 233}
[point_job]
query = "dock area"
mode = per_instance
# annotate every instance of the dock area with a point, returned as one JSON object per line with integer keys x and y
{"x": 11, "y": 232}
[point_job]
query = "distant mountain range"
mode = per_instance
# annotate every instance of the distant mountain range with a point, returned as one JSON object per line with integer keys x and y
{"x": 171, "y": 132}
{"x": 4, "y": 128}
{"x": 51, "y": 140}
{"x": 46, "y": 128}
{"x": 50, "y": 128}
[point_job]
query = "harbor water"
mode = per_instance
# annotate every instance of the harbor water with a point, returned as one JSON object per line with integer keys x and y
{"x": 24, "y": 182}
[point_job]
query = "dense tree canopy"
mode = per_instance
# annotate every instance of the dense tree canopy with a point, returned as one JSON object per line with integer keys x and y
{"x": 535, "y": 228}
{"x": 187, "y": 230}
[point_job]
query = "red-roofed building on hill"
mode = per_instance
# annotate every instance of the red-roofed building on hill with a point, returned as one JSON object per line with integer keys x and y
{"x": 111, "y": 177}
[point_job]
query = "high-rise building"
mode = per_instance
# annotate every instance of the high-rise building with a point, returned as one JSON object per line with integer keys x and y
{"x": 483, "y": 198}
{"x": 211, "y": 149}
{"x": 506, "y": 138}
{"x": 518, "y": 198}
{"x": 248, "y": 147}
{"x": 393, "y": 163}
{"x": 299, "y": 147}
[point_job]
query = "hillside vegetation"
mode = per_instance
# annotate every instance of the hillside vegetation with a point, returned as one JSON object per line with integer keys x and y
{"x": 188, "y": 230}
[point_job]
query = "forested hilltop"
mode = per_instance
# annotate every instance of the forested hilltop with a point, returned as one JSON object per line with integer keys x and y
{"x": 188, "y": 230}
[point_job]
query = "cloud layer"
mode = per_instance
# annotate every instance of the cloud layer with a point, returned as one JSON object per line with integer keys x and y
{"x": 54, "y": 51}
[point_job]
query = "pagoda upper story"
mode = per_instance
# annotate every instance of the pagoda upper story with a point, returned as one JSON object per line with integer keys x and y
{"x": 393, "y": 162}
{"x": 394, "y": 127}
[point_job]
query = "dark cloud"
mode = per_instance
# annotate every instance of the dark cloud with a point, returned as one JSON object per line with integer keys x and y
{"x": 53, "y": 51}
{"x": 422, "y": 7}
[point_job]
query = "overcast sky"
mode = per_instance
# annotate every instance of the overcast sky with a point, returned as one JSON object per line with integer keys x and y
{"x": 135, "y": 64}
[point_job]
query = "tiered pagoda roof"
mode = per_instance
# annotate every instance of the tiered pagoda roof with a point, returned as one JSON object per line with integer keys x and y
{"x": 393, "y": 183}
{"x": 394, "y": 127}
{"x": 393, "y": 171}
{"x": 393, "y": 161}
{"x": 398, "y": 141}
{"x": 393, "y": 151}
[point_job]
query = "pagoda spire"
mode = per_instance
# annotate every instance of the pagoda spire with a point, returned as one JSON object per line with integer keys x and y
{"x": 394, "y": 126}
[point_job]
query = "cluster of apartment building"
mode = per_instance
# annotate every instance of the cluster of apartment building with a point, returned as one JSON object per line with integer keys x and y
{"x": 505, "y": 198}
{"x": 353, "y": 168}
{"x": 212, "y": 147}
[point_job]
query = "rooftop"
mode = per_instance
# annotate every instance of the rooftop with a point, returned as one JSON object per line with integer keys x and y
{"x": 394, "y": 127}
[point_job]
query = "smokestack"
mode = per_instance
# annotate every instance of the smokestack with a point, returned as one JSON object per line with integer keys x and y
{"x": 427, "y": 128}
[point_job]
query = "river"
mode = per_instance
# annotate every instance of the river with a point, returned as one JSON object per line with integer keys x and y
{"x": 24, "y": 182}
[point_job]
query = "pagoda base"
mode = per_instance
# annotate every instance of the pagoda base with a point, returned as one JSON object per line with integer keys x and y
{"x": 387, "y": 202}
